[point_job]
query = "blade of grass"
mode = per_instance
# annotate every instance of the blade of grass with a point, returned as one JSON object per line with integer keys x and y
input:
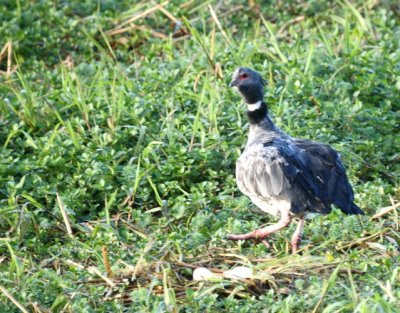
{"x": 327, "y": 44}
{"x": 326, "y": 287}
{"x": 354, "y": 295}
{"x": 13, "y": 300}
{"x": 108, "y": 203}
{"x": 216, "y": 20}
{"x": 169, "y": 295}
{"x": 153, "y": 186}
{"x": 65, "y": 216}
{"x": 309, "y": 57}
{"x": 361, "y": 21}
{"x": 136, "y": 17}
{"x": 274, "y": 41}
{"x": 196, "y": 35}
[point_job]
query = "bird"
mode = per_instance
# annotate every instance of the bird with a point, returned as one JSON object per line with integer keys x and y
{"x": 284, "y": 176}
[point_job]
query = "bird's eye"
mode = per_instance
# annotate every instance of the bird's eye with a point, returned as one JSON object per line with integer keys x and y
{"x": 244, "y": 76}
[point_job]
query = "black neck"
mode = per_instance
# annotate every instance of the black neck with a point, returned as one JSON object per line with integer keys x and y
{"x": 259, "y": 114}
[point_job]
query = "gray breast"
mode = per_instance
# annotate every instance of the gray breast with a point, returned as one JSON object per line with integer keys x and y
{"x": 259, "y": 172}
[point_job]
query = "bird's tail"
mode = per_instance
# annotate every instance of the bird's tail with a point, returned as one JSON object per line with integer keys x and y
{"x": 354, "y": 209}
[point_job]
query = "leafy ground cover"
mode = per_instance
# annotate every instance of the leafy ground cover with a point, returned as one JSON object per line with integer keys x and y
{"x": 119, "y": 137}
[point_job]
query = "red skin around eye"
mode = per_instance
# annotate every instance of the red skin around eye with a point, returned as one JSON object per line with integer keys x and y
{"x": 243, "y": 76}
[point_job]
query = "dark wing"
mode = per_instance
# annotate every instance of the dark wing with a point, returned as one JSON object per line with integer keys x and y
{"x": 307, "y": 174}
{"x": 328, "y": 175}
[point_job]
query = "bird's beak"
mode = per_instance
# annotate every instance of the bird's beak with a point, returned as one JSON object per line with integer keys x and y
{"x": 233, "y": 83}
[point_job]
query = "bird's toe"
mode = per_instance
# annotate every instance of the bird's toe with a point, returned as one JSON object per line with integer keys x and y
{"x": 233, "y": 237}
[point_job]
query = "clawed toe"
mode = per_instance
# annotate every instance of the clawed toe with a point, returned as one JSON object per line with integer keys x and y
{"x": 234, "y": 237}
{"x": 257, "y": 234}
{"x": 295, "y": 248}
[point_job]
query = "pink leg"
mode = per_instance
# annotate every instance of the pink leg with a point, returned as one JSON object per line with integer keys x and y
{"x": 296, "y": 238}
{"x": 264, "y": 232}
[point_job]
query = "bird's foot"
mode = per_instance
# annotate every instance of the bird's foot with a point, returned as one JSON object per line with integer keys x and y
{"x": 257, "y": 234}
{"x": 295, "y": 242}
{"x": 296, "y": 238}
{"x": 237, "y": 237}
{"x": 295, "y": 247}
{"x": 266, "y": 244}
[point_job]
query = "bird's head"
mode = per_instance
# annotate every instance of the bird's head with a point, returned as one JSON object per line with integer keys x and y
{"x": 249, "y": 83}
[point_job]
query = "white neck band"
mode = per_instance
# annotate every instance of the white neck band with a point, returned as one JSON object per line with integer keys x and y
{"x": 254, "y": 106}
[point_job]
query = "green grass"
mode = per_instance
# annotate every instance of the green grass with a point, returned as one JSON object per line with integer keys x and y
{"x": 138, "y": 135}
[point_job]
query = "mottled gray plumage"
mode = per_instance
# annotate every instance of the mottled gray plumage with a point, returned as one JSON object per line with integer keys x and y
{"x": 282, "y": 175}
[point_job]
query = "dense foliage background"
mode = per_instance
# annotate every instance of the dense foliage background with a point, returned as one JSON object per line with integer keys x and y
{"x": 116, "y": 116}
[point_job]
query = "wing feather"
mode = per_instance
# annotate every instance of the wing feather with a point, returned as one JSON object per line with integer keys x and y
{"x": 308, "y": 174}
{"x": 329, "y": 175}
